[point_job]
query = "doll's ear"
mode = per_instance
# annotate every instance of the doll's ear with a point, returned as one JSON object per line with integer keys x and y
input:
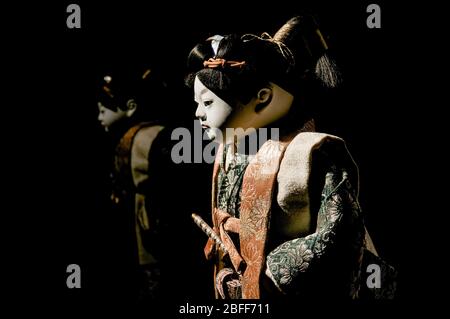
{"x": 263, "y": 98}
{"x": 131, "y": 107}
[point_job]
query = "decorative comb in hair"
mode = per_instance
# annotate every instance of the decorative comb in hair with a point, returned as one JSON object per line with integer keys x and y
{"x": 216, "y": 63}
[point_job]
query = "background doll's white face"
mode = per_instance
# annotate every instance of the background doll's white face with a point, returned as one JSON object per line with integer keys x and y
{"x": 212, "y": 111}
{"x": 108, "y": 117}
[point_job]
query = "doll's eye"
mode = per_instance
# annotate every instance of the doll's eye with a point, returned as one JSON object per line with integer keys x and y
{"x": 208, "y": 103}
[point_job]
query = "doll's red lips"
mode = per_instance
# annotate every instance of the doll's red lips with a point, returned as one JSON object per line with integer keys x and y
{"x": 205, "y": 126}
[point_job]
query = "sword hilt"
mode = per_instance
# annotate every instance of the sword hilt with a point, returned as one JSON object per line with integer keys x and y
{"x": 209, "y": 232}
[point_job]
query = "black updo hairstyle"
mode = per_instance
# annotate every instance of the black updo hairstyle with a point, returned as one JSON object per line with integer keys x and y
{"x": 296, "y": 59}
{"x": 263, "y": 64}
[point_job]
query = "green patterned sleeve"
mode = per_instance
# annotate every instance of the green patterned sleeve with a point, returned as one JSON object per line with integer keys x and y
{"x": 289, "y": 262}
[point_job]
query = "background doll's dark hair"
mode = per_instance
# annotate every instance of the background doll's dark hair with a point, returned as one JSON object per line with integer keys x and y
{"x": 143, "y": 84}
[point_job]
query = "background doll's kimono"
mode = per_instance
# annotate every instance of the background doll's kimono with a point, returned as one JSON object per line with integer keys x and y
{"x": 303, "y": 173}
{"x": 130, "y": 196}
{"x": 158, "y": 207}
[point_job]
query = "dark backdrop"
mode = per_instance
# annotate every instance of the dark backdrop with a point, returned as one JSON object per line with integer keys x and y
{"x": 65, "y": 161}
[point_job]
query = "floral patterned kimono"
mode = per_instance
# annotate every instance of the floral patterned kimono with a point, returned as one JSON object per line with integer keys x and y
{"x": 291, "y": 223}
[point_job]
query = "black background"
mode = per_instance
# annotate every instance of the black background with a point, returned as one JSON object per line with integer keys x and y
{"x": 59, "y": 184}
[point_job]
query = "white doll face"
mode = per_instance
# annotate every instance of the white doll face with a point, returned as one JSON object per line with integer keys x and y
{"x": 212, "y": 111}
{"x": 108, "y": 117}
{"x": 216, "y": 115}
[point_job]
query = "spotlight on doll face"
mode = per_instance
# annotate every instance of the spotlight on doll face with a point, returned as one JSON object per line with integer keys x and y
{"x": 212, "y": 111}
{"x": 108, "y": 117}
